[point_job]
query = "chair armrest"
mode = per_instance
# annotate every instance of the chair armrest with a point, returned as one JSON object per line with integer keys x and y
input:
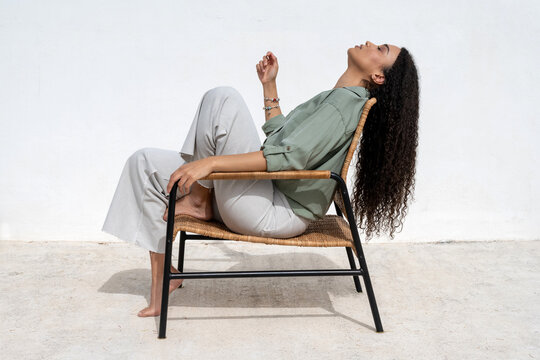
{"x": 287, "y": 174}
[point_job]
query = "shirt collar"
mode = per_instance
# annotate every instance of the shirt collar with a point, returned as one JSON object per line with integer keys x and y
{"x": 359, "y": 90}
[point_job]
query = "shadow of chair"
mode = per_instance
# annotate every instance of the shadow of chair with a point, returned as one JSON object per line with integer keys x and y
{"x": 330, "y": 231}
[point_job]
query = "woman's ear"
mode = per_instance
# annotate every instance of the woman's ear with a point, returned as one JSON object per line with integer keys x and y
{"x": 377, "y": 78}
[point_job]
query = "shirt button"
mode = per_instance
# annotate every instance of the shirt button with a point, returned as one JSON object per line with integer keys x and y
{"x": 288, "y": 148}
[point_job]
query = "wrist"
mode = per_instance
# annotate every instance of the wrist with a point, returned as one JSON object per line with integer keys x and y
{"x": 212, "y": 160}
{"x": 269, "y": 84}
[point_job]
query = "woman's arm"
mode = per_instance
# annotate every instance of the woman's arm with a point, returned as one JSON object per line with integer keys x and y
{"x": 252, "y": 161}
{"x": 267, "y": 70}
{"x": 192, "y": 171}
{"x": 270, "y": 91}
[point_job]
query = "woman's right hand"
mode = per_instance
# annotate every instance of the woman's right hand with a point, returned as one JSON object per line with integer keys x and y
{"x": 267, "y": 68}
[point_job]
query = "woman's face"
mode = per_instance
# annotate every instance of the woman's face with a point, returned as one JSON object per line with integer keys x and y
{"x": 370, "y": 59}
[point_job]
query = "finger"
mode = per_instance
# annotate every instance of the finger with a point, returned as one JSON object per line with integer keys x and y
{"x": 179, "y": 178}
{"x": 180, "y": 189}
{"x": 183, "y": 182}
{"x": 173, "y": 178}
{"x": 170, "y": 184}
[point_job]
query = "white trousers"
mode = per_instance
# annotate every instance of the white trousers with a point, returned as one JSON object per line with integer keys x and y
{"x": 222, "y": 126}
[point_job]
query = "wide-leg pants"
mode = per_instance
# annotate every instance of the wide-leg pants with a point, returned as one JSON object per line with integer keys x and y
{"x": 222, "y": 126}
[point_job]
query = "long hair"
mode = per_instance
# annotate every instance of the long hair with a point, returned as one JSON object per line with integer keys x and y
{"x": 386, "y": 163}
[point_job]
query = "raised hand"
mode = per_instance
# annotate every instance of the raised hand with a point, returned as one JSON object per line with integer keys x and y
{"x": 267, "y": 68}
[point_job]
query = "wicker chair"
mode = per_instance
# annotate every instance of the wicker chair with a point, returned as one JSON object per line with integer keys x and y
{"x": 332, "y": 230}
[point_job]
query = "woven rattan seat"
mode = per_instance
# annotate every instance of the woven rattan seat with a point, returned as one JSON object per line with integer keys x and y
{"x": 329, "y": 231}
{"x": 332, "y": 230}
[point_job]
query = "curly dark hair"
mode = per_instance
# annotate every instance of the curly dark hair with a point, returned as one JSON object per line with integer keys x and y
{"x": 386, "y": 163}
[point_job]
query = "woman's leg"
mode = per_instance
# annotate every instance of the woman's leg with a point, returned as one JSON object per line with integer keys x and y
{"x": 157, "y": 262}
{"x": 136, "y": 210}
{"x": 135, "y": 214}
{"x": 222, "y": 125}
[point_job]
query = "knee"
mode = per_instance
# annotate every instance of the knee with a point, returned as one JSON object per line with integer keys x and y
{"x": 137, "y": 156}
{"x": 224, "y": 92}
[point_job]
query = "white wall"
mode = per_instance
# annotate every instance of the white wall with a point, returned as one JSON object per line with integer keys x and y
{"x": 84, "y": 84}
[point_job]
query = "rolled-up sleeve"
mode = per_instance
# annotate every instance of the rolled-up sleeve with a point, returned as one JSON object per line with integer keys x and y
{"x": 308, "y": 144}
{"x": 273, "y": 123}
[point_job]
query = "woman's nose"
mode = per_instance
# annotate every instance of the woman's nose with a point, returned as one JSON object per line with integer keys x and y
{"x": 368, "y": 43}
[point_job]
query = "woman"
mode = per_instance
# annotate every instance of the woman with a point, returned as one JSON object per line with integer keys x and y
{"x": 315, "y": 135}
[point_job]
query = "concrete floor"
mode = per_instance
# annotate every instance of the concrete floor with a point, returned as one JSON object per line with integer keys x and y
{"x": 456, "y": 300}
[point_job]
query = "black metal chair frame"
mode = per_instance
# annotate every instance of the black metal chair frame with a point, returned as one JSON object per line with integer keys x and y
{"x": 167, "y": 275}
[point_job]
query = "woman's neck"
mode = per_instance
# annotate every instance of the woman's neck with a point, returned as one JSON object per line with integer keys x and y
{"x": 350, "y": 78}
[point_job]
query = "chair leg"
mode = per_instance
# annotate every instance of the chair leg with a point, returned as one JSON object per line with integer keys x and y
{"x": 359, "y": 251}
{"x": 165, "y": 290}
{"x": 353, "y": 267}
{"x": 167, "y": 264}
{"x": 350, "y": 256}
{"x": 181, "y": 253}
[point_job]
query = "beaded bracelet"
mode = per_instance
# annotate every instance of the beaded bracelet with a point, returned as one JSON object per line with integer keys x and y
{"x": 270, "y": 107}
{"x": 273, "y": 99}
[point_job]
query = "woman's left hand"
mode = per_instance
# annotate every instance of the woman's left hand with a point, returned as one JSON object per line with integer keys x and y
{"x": 189, "y": 173}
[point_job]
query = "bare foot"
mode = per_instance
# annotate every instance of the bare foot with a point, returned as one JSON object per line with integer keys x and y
{"x": 154, "y": 310}
{"x": 198, "y": 203}
{"x": 174, "y": 283}
{"x": 148, "y": 311}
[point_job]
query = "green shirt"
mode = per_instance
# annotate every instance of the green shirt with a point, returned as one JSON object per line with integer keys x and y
{"x": 315, "y": 135}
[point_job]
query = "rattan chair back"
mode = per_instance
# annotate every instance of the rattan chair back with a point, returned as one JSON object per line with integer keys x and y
{"x": 338, "y": 199}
